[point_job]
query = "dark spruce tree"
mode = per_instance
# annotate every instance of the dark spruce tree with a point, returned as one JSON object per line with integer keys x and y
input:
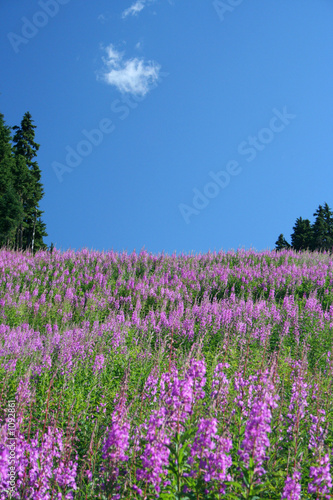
{"x": 281, "y": 243}
{"x": 28, "y": 186}
{"x": 11, "y": 211}
{"x": 302, "y": 236}
{"x": 323, "y": 229}
{"x": 328, "y": 216}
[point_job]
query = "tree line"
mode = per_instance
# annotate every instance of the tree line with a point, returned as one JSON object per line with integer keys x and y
{"x": 21, "y": 190}
{"x": 307, "y": 236}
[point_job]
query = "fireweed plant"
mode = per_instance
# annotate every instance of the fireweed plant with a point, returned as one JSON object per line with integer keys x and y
{"x": 173, "y": 377}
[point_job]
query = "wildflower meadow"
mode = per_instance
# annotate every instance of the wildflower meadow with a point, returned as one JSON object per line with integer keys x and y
{"x": 141, "y": 376}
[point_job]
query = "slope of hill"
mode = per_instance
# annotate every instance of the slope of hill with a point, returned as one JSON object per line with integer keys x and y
{"x": 156, "y": 376}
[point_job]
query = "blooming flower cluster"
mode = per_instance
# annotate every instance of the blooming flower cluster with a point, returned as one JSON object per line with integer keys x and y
{"x": 42, "y": 467}
{"x": 221, "y": 364}
{"x": 262, "y": 400}
{"x": 292, "y": 488}
{"x": 321, "y": 478}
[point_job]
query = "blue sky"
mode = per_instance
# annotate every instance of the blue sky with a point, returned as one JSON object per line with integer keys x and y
{"x": 173, "y": 125}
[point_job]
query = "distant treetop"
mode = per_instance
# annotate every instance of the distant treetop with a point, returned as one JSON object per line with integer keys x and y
{"x": 307, "y": 236}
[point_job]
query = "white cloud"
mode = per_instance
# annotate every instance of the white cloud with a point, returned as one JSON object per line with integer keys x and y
{"x": 137, "y": 7}
{"x": 102, "y": 18}
{"x": 132, "y": 76}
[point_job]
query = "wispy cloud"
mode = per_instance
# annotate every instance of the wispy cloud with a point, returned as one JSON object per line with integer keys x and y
{"x": 102, "y": 18}
{"x": 137, "y": 7}
{"x": 132, "y": 76}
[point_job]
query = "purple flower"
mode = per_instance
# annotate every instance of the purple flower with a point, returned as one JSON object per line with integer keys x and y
{"x": 38, "y": 466}
{"x": 211, "y": 450}
{"x": 258, "y": 426}
{"x": 117, "y": 441}
{"x": 220, "y": 386}
{"x": 292, "y": 488}
{"x": 298, "y": 401}
{"x": 316, "y": 430}
{"x": 155, "y": 456}
{"x": 99, "y": 363}
{"x": 321, "y": 477}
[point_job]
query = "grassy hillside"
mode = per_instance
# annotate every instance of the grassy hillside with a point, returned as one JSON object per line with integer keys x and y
{"x": 127, "y": 376}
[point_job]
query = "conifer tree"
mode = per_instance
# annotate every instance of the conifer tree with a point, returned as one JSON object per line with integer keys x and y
{"x": 302, "y": 237}
{"x": 11, "y": 211}
{"x": 28, "y": 186}
{"x": 323, "y": 228}
{"x": 328, "y": 217}
{"x": 281, "y": 243}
